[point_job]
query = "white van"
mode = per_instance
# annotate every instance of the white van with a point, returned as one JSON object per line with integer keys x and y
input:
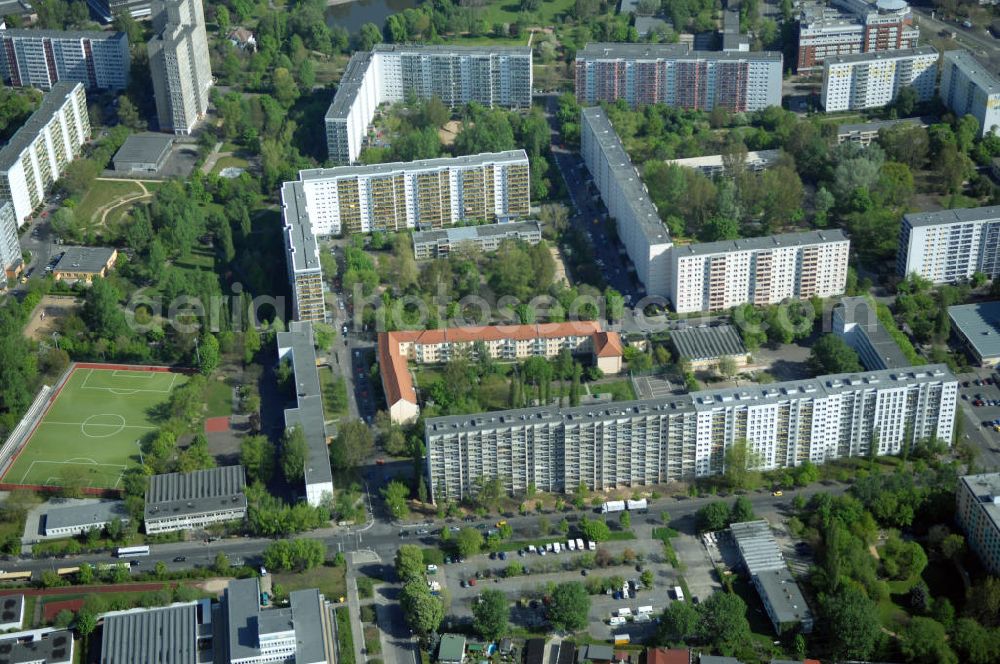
{"x": 678, "y": 593}
{"x": 624, "y": 612}
{"x": 645, "y": 609}
{"x": 579, "y": 544}
{"x": 556, "y": 547}
{"x": 571, "y": 545}
{"x": 615, "y": 621}
{"x": 591, "y": 546}
{"x": 643, "y": 618}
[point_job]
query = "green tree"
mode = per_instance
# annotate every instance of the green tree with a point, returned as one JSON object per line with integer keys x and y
{"x": 489, "y": 615}
{"x": 925, "y": 641}
{"x": 713, "y": 516}
{"x": 208, "y": 354}
{"x": 354, "y": 443}
{"x": 595, "y": 530}
{"x": 86, "y": 622}
{"x": 396, "y": 494}
{"x": 369, "y": 36}
{"x": 740, "y": 466}
{"x": 741, "y": 511}
{"x": 257, "y": 455}
{"x": 851, "y": 623}
{"x": 294, "y": 450}
{"x": 424, "y": 612}
{"x": 468, "y": 542}
{"x": 101, "y": 312}
{"x": 724, "y": 622}
{"x": 569, "y": 607}
{"x": 221, "y": 565}
{"x": 283, "y": 87}
{"x": 409, "y": 563}
{"x": 831, "y": 355}
{"x": 953, "y": 547}
{"x": 679, "y": 623}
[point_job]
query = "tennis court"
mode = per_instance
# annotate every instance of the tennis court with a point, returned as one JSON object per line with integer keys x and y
{"x": 91, "y": 432}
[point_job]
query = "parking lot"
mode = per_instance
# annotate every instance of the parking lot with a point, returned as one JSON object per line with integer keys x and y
{"x": 978, "y": 417}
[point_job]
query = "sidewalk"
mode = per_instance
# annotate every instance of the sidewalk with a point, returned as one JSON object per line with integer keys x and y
{"x": 354, "y": 609}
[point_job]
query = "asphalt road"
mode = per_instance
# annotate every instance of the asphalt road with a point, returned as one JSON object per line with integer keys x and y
{"x": 985, "y": 438}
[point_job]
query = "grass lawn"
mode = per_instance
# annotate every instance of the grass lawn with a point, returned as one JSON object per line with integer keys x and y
{"x": 620, "y": 390}
{"x": 229, "y": 162}
{"x": 345, "y": 638}
{"x": 219, "y": 399}
{"x": 102, "y": 193}
{"x": 329, "y": 579}
{"x": 334, "y": 390}
{"x": 508, "y": 11}
{"x": 466, "y": 40}
{"x": 90, "y": 433}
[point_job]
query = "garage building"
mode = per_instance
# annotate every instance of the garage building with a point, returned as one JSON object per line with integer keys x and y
{"x": 143, "y": 153}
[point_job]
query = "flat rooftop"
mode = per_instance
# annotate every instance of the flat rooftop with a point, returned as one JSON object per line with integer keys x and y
{"x": 309, "y": 412}
{"x": 762, "y": 243}
{"x": 615, "y": 51}
{"x": 94, "y": 35}
{"x": 958, "y": 216}
{"x": 91, "y": 260}
{"x": 980, "y": 324}
{"x": 876, "y": 125}
{"x": 445, "y": 49}
{"x": 146, "y": 147}
{"x": 715, "y": 160}
{"x": 986, "y": 488}
{"x": 168, "y": 635}
{"x": 45, "y": 646}
{"x": 472, "y": 160}
{"x": 70, "y": 516}
{"x": 784, "y": 595}
{"x": 350, "y": 83}
{"x": 52, "y": 102}
{"x": 974, "y": 70}
{"x": 858, "y": 311}
{"x": 466, "y": 233}
{"x": 298, "y": 228}
{"x": 875, "y": 56}
{"x": 176, "y": 494}
{"x": 701, "y": 401}
{"x": 708, "y": 342}
{"x": 627, "y": 177}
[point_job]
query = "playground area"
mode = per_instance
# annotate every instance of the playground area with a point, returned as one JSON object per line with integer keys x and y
{"x": 92, "y": 429}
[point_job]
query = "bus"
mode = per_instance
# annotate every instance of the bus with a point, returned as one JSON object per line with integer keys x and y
{"x": 63, "y": 571}
{"x": 132, "y": 551}
{"x": 15, "y": 576}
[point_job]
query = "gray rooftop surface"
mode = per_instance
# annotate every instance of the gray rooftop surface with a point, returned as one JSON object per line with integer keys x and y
{"x": 626, "y": 175}
{"x": 718, "y": 659}
{"x": 985, "y": 487}
{"x": 49, "y": 646}
{"x": 298, "y": 228}
{"x": 628, "y": 6}
{"x": 974, "y": 70}
{"x": 11, "y": 607}
{"x": 859, "y": 311}
{"x": 61, "y": 34}
{"x": 481, "y": 159}
{"x": 84, "y": 259}
{"x": 884, "y": 124}
{"x": 309, "y": 412}
{"x": 466, "y": 233}
{"x": 708, "y": 342}
{"x": 732, "y": 39}
{"x": 349, "y": 85}
{"x": 81, "y": 515}
{"x": 980, "y": 324}
{"x": 53, "y": 100}
{"x": 174, "y": 494}
{"x": 144, "y": 147}
{"x": 164, "y": 635}
{"x": 625, "y": 51}
{"x": 242, "y": 601}
{"x": 784, "y": 596}
{"x": 958, "y": 216}
{"x": 762, "y": 243}
{"x": 757, "y": 546}
{"x": 647, "y": 24}
{"x": 451, "y": 648}
{"x": 704, "y": 401}
{"x": 875, "y": 56}
{"x": 307, "y": 615}
{"x": 445, "y": 49}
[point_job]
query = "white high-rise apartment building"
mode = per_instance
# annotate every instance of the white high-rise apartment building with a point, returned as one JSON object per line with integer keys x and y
{"x": 968, "y": 87}
{"x": 10, "y": 248}
{"x": 497, "y": 76}
{"x": 635, "y": 443}
{"x": 674, "y": 75}
{"x": 950, "y": 245}
{"x": 40, "y": 58}
{"x": 38, "y": 153}
{"x": 978, "y": 515}
{"x": 305, "y": 276}
{"x": 646, "y": 239}
{"x": 872, "y": 80}
{"x": 766, "y": 270}
{"x": 179, "y": 64}
{"x": 424, "y": 194}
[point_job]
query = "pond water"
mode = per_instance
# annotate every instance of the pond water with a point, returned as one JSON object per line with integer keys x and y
{"x": 352, "y": 15}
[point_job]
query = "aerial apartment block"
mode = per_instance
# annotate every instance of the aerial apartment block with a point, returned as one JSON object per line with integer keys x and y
{"x": 978, "y": 515}
{"x": 969, "y": 87}
{"x": 507, "y": 343}
{"x": 424, "y": 194}
{"x": 457, "y": 75}
{"x": 646, "y": 442}
{"x": 38, "y": 153}
{"x": 41, "y": 58}
{"x": 847, "y": 27}
{"x": 948, "y": 246}
{"x": 179, "y": 64}
{"x": 765, "y": 270}
{"x": 674, "y": 75}
{"x": 873, "y": 80}
{"x": 11, "y": 262}
{"x": 302, "y": 256}
{"x": 296, "y": 346}
{"x": 640, "y": 229}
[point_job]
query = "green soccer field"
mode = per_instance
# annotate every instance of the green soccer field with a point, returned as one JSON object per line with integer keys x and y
{"x": 90, "y": 435}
